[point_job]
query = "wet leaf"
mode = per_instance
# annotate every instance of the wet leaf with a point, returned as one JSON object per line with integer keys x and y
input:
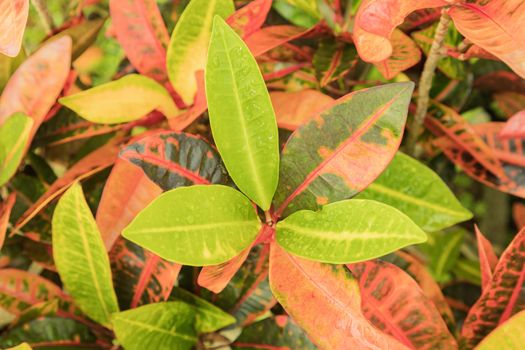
{"x": 237, "y": 97}
{"x": 347, "y": 231}
{"x": 196, "y": 225}
{"x": 80, "y": 257}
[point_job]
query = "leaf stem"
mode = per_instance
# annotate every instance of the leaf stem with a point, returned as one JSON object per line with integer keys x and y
{"x": 45, "y": 17}
{"x": 425, "y": 83}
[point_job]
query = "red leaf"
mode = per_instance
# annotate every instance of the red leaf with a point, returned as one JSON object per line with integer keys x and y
{"x": 127, "y": 191}
{"x": 487, "y": 259}
{"x": 444, "y": 121}
{"x": 394, "y": 303}
{"x": 294, "y": 109}
{"x": 91, "y": 164}
{"x": 140, "y": 30}
{"x": 14, "y": 18}
{"x": 269, "y": 38}
{"x": 46, "y": 69}
{"x": 376, "y": 20}
{"x": 20, "y": 290}
{"x": 250, "y": 18}
{"x": 217, "y": 277}
{"x": 518, "y": 212}
{"x": 514, "y": 127}
{"x": 324, "y": 300}
{"x": 5, "y": 212}
{"x": 502, "y": 298}
{"x": 496, "y": 26}
{"x": 500, "y": 81}
{"x": 140, "y": 277}
{"x": 405, "y": 54}
{"x": 509, "y": 103}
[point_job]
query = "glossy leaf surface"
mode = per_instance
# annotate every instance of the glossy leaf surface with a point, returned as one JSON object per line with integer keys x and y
{"x": 324, "y": 299}
{"x": 173, "y": 160}
{"x": 141, "y": 32}
{"x": 81, "y": 258}
{"x": 188, "y": 47}
{"x": 197, "y": 225}
{"x": 347, "y": 231}
{"x": 394, "y": 303}
{"x": 419, "y": 193}
{"x": 316, "y": 170}
{"x": 14, "y": 136}
{"x": 14, "y": 18}
{"x": 237, "y": 97}
{"x": 166, "y": 325}
{"x": 502, "y": 298}
{"x": 117, "y": 102}
{"x": 494, "y": 26}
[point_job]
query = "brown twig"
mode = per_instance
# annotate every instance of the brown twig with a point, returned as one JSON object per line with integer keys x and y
{"x": 425, "y": 83}
{"x": 45, "y": 17}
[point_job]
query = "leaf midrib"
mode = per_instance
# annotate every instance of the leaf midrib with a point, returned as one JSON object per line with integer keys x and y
{"x": 250, "y": 155}
{"x": 189, "y": 228}
{"x": 157, "y": 329}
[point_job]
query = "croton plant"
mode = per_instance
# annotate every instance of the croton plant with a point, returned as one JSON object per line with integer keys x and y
{"x": 220, "y": 174}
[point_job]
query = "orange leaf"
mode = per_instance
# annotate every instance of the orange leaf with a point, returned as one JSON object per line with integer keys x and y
{"x": 250, "y": 18}
{"x": 293, "y": 109}
{"x": 127, "y": 191}
{"x": 405, "y": 54}
{"x": 324, "y": 300}
{"x": 487, "y": 259}
{"x": 14, "y": 18}
{"x": 376, "y": 20}
{"x": 514, "y": 127}
{"x": 496, "y": 26}
{"x": 5, "y": 212}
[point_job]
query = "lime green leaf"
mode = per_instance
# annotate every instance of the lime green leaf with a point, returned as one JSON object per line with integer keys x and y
{"x": 189, "y": 43}
{"x": 198, "y": 225}
{"x": 508, "y": 336}
{"x": 156, "y": 326}
{"x": 347, "y": 232}
{"x": 124, "y": 100}
{"x": 209, "y": 318}
{"x": 14, "y": 135}
{"x": 81, "y": 258}
{"x": 241, "y": 115}
{"x": 419, "y": 192}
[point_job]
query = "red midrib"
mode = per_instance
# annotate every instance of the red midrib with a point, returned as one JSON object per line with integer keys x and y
{"x": 171, "y": 166}
{"x": 144, "y": 279}
{"x": 311, "y": 177}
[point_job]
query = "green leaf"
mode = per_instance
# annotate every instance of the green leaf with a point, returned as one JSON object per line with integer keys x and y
{"x": 443, "y": 250}
{"x": 278, "y": 332}
{"x": 124, "y": 100}
{"x": 51, "y": 333}
{"x": 197, "y": 225}
{"x": 189, "y": 43}
{"x": 23, "y": 346}
{"x": 209, "y": 318}
{"x": 419, "y": 192}
{"x": 303, "y": 13}
{"x": 14, "y": 135}
{"x": 80, "y": 257}
{"x": 342, "y": 150}
{"x": 508, "y": 336}
{"x": 241, "y": 115}
{"x": 347, "y": 231}
{"x": 166, "y": 325}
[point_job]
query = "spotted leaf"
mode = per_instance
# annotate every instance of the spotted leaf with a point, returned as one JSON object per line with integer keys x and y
{"x": 317, "y": 170}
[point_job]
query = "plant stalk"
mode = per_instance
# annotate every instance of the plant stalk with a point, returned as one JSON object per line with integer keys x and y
{"x": 44, "y": 15}
{"x": 425, "y": 83}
